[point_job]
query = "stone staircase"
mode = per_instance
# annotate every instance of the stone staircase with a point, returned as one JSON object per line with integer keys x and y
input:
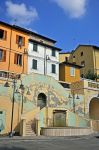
{"x": 30, "y": 128}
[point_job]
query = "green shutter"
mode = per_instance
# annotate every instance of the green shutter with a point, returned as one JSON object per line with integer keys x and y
{"x": 35, "y": 47}
{"x": 53, "y": 68}
{"x": 34, "y": 64}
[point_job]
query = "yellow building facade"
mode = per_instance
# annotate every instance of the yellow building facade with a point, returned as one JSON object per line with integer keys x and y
{"x": 86, "y": 56}
{"x": 69, "y": 72}
{"x": 64, "y": 56}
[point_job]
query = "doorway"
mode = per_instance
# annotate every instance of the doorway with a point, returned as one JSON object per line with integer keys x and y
{"x": 94, "y": 109}
{"x": 41, "y": 100}
{"x": 59, "y": 118}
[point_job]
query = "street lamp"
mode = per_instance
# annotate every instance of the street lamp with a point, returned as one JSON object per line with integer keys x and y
{"x": 73, "y": 96}
{"x": 15, "y": 90}
{"x": 13, "y": 100}
{"x": 45, "y": 64}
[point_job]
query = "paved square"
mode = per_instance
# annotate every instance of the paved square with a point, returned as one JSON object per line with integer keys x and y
{"x": 58, "y": 143}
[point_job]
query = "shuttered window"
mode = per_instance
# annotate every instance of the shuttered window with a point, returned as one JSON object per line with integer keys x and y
{"x": 35, "y": 47}
{"x": 2, "y": 55}
{"x": 34, "y": 64}
{"x": 3, "y": 34}
{"x": 72, "y": 71}
{"x": 18, "y": 59}
{"x": 53, "y": 53}
{"x": 20, "y": 40}
{"x": 53, "y": 68}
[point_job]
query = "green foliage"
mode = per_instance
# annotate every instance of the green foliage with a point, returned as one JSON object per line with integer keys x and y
{"x": 91, "y": 76}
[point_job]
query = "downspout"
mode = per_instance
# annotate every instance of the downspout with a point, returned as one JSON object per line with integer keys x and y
{"x": 95, "y": 70}
{"x": 9, "y": 52}
{"x": 45, "y": 61}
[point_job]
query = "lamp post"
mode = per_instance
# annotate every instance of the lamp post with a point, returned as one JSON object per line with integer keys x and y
{"x": 73, "y": 98}
{"x": 13, "y": 100}
{"x": 22, "y": 93}
{"x": 45, "y": 64}
{"x": 22, "y": 88}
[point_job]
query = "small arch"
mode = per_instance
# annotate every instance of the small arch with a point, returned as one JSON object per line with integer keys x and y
{"x": 41, "y": 102}
{"x": 94, "y": 108}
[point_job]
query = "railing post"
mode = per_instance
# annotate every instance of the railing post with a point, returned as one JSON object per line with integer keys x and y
{"x": 23, "y": 127}
{"x": 38, "y": 127}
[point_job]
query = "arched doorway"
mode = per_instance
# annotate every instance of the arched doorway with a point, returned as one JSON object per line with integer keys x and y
{"x": 94, "y": 108}
{"x": 41, "y": 100}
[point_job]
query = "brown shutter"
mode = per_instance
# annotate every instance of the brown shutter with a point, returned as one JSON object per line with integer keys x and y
{"x": 4, "y": 56}
{"x": 17, "y": 38}
{"x": 23, "y": 41}
{"x": 5, "y": 35}
{"x": 15, "y": 58}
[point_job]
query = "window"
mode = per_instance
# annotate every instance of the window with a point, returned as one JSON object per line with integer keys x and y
{"x": 53, "y": 68}
{"x": 53, "y": 53}
{"x": 66, "y": 59}
{"x": 3, "y": 34}
{"x": 81, "y": 54}
{"x": 34, "y": 64}
{"x": 18, "y": 59}
{"x": 82, "y": 75}
{"x": 72, "y": 71}
{"x": 35, "y": 47}
{"x": 1, "y": 112}
{"x": 20, "y": 40}
{"x": 83, "y": 63}
{"x": 2, "y": 55}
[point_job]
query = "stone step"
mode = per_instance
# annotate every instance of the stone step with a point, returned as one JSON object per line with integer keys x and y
{"x": 30, "y": 135}
{"x": 29, "y": 128}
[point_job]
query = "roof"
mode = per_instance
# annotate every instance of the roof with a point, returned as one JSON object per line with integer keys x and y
{"x": 27, "y": 31}
{"x": 46, "y": 45}
{"x": 70, "y": 64}
{"x": 65, "y": 53}
{"x": 93, "y": 46}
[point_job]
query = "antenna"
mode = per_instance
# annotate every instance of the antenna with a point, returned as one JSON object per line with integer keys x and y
{"x": 14, "y": 22}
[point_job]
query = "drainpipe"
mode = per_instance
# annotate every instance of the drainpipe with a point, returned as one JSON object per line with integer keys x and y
{"x": 10, "y": 51}
{"x": 45, "y": 61}
{"x": 95, "y": 70}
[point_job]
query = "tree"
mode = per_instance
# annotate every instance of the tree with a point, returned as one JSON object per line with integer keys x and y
{"x": 91, "y": 75}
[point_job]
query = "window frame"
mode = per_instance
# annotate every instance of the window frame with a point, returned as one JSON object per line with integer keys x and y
{"x": 1, "y": 54}
{"x": 53, "y": 65}
{"x": 34, "y": 66}
{"x": 18, "y": 59}
{"x": 3, "y": 59}
{"x": 54, "y": 52}
{"x": 22, "y": 42}
{"x": 35, "y": 45}
{"x": 81, "y": 54}
{"x": 4, "y": 37}
{"x": 83, "y": 63}
{"x": 2, "y": 34}
{"x": 72, "y": 71}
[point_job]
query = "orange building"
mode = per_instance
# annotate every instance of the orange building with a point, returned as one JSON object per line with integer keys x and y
{"x": 13, "y": 45}
{"x": 69, "y": 72}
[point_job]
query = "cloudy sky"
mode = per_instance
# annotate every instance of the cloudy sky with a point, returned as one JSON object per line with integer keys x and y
{"x": 69, "y": 22}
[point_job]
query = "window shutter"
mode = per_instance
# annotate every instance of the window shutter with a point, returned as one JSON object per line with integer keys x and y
{"x": 4, "y": 55}
{"x": 17, "y": 38}
{"x": 23, "y": 41}
{"x": 15, "y": 58}
{"x": 5, "y": 35}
